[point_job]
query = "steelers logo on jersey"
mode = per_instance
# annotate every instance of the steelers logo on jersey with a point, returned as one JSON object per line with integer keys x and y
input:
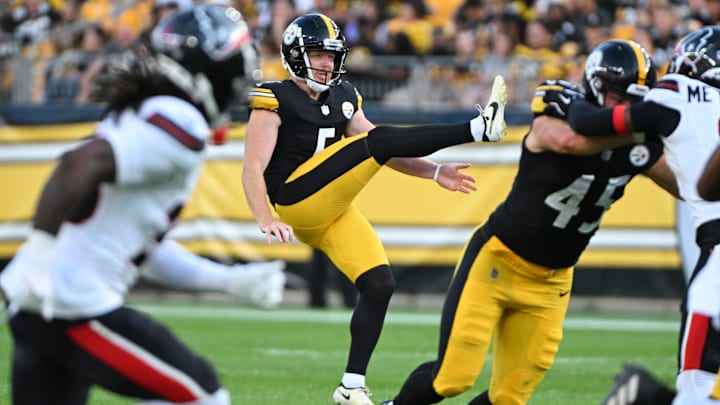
{"x": 639, "y": 155}
{"x": 348, "y": 109}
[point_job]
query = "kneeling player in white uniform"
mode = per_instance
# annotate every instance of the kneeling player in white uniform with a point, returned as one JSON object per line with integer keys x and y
{"x": 105, "y": 208}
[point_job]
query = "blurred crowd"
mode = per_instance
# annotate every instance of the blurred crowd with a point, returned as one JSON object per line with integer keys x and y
{"x": 406, "y": 53}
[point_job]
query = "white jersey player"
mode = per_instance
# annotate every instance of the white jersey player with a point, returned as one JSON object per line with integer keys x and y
{"x": 684, "y": 110}
{"x": 102, "y": 216}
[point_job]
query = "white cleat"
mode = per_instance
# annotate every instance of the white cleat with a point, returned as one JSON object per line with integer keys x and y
{"x": 260, "y": 284}
{"x": 352, "y": 396}
{"x": 493, "y": 114}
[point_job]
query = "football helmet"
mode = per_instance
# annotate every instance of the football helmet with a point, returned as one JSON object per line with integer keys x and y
{"x": 312, "y": 32}
{"x": 697, "y": 55}
{"x": 621, "y": 66}
{"x": 207, "y": 51}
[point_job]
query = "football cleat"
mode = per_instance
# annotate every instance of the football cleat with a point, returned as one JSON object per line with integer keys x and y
{"x": 636, "y": 386}
{"x": 493, "y": 115}
{"x": 352, "y": 396}
{"x": 259, "y": 284}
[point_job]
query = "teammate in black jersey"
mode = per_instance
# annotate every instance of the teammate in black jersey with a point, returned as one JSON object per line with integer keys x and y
{"x": 310, "y": 149}
{"x": 683, "y": 111}
{"x": 513, "y": 283}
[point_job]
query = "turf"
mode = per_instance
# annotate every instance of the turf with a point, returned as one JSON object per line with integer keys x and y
{"x": 296, "y": 356}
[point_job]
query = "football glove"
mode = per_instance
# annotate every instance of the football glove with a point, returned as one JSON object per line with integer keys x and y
{"x": 553, "y": 98}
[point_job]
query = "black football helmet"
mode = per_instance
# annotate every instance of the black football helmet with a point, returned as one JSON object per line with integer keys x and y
{"x": 313, "y": 32}
{"x": 697, "y": 55}
{"x": 208, "y": 52}
{"x": 621, "y": 66}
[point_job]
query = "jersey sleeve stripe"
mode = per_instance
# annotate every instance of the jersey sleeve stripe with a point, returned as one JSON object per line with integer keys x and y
{"x": 263, "y": 99}
{"x": 176, "y": 132}
{"x": 669, "y": 85}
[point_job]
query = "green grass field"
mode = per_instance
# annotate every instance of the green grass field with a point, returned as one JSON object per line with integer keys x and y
{"x": 296, "y": 356}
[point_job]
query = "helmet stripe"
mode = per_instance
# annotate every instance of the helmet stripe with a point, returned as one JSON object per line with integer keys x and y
{"x": 329, "y": 24}
{"x": 642, "y": 63}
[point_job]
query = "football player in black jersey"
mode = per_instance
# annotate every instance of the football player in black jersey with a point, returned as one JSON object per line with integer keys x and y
{"x": 310, "y": 149}
{"x": 683, "y": 111}
{"x": 513, "y": 283}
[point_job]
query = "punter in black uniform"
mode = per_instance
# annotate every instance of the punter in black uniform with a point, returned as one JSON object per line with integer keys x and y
{"x": 310, "y": 149}
{"x": 513, "y": 283}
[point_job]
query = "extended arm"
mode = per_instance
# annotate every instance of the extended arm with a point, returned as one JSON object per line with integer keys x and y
{"x": 646, "y": 116}
{"x": 709, "y": 183}
{"x": 555, "y": 135}
{"x": 260, "y": 140}
{"x": 447, "y": 175}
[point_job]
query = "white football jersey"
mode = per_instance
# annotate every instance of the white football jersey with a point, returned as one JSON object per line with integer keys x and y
{"x": 689, "y": 146}
{"x": 158, "y": 153}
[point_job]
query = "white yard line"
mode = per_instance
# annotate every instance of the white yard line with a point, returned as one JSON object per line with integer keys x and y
{"x": 401, "y": 318}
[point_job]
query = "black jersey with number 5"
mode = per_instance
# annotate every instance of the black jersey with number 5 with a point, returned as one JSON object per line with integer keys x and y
{"x": 557, "y": 201}
{"x": 307, "y": 126}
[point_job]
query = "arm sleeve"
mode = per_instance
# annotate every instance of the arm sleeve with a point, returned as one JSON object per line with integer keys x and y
{"x": 647, "y": 116}
{"x": 590, "y": 120}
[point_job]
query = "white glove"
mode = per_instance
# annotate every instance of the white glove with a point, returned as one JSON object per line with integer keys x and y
{"x": 25, "y": 281}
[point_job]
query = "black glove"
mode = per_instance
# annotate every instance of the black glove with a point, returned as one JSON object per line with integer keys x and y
{"x": 553, "y": 98}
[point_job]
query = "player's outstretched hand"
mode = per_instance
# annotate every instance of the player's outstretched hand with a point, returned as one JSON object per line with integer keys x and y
{"x": 449, "y": 176}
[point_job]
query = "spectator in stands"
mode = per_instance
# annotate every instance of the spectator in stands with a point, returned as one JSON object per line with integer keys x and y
{"x": 104, "y": 210}
{"x": 65, "y": 71}
{"x": 665, "y": 31}
{"x": 409, "y": 33}
{"x": 31, "y": 21}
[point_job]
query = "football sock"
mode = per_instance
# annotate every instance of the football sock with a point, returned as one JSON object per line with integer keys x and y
{"x": 386, "y": 142}
{"x": 477, "y": 127}
{"x": 352, "y": 380}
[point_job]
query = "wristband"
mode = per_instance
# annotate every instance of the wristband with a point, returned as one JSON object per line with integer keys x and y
{"x": 437, "y": 172}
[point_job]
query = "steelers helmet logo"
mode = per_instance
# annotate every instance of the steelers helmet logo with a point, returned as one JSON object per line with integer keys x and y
{"x": 639, "y": 155}
{"x": 348, "y": 109}
{"x": 290, "y": 34}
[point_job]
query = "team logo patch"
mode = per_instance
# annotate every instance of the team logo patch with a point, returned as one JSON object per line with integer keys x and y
{"x": 348, "y": 109}
{"x": 593, "y": 61}
{"x": 639, "y": 155}
{"x": 290, "y": 34}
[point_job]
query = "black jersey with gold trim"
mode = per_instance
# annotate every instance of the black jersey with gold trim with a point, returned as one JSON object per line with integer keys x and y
{"x": 557, "y": 201}
{"x": 308, "y": 125}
